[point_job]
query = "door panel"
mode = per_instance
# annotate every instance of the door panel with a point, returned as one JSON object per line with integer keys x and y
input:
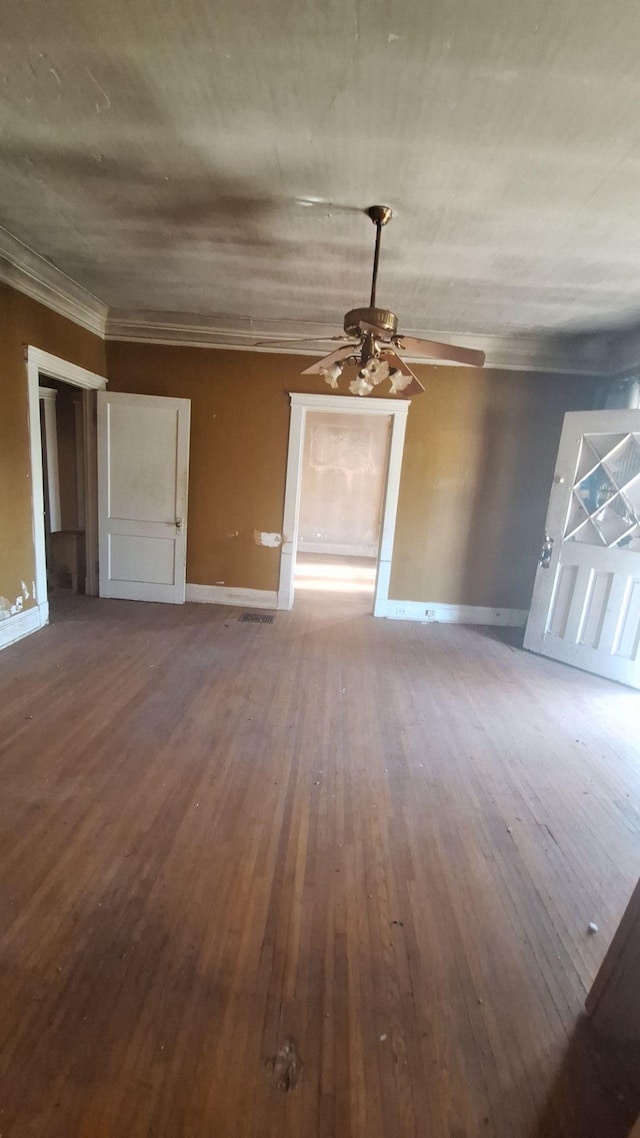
{"x": 585, "y": 608}
{"x": 143, "y": 459}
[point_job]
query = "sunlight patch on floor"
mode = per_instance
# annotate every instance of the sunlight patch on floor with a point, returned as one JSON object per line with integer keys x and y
{"x": 335, "y": 574}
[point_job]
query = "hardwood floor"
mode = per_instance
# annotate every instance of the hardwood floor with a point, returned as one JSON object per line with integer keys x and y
{"x": 322, "y": 573}
{"x": 326, "y": 877}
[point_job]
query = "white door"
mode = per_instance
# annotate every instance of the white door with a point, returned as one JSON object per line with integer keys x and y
{"x": 143, "y": 469}
{"x": 585, "y": 608}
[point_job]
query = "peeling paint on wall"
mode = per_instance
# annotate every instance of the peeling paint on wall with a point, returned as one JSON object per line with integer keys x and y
{"x": 272, "y": 540}
{"x": 7, "y": 609}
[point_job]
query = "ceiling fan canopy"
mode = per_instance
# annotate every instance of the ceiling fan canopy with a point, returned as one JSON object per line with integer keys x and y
{"x": 374, "y": 341}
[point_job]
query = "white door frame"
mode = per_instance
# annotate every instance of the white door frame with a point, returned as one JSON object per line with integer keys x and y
{"x": 48, "y": 396}
{"x": 350, "y": 405}
{"x": 42, "y": 365}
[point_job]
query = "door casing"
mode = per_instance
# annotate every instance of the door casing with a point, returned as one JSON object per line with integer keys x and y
{"x": 351, "y": 405}
{"x": 42, "y": 366}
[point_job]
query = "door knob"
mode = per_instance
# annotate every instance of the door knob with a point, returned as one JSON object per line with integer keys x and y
{"x": 179, "y": 524}
{"x": 546, "y": 552}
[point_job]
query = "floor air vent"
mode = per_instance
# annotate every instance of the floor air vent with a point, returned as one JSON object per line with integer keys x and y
{"x": 257, "y": 617}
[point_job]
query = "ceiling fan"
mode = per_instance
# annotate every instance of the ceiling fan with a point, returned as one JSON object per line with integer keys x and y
{"x": 373, "y": 341}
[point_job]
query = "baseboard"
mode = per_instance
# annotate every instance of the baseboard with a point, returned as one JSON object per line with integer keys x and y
{"x": 222, "y": 595}
{"x": 22, "y": 624}
{"x": 434, "y": 613}
{"x": 337, "y": 550}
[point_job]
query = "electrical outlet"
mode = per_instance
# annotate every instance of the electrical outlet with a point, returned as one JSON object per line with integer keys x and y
{"x": 429, "y": 614}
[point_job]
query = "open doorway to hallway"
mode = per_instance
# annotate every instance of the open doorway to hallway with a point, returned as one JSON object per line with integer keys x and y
{"x": 344, "y": 467}
{"x": 70, "y": 512}
{"x": 393, "y": 412}
{"x": 47, "y": 377}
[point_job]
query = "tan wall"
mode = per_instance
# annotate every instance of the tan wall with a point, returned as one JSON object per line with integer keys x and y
{"x": 25, "y": 322}
{"x": 479, "y": 459}
{"x": 476, "y": 475}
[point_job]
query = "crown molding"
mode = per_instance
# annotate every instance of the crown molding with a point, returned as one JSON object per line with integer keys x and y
{"x": 624, "y": 354}
{"x": 31, "y": 274}
{"x": 604, "y": 356}
{"x": 579, "y": 355}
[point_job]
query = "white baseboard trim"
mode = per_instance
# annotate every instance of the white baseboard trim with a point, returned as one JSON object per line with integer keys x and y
{"x": 222, "y": 595}
{"x": 22, "y": 624}
{"x": 338, "y": 550}
{"x": 435, "y": 613}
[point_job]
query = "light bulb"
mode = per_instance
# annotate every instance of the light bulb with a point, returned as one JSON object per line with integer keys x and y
{"x": 332, "y": 374}
{"x": 376, "y": 370}
{"x": 398, "y": 380}
{"x": 361, "y": 385}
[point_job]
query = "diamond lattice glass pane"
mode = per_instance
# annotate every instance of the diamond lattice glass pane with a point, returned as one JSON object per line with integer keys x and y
{"x": 624, "y": 463}
{"x": 605, "y": 500}
{"x": 587, "y": 460}
{"x": 578, "y": 517}
{"x": 614, "y": 520}
{"x": 596, "y": 489}
{"x": 587, "y": 534}
{"x": 605, "y": 444}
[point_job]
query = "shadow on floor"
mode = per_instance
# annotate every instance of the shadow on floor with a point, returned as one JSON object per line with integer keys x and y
{"x": 593, "y": 1094}
{"x": 512, "y": 637}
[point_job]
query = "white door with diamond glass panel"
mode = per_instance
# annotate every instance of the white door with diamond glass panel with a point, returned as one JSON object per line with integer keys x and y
{"x": 585, "y": 608}
{"x": 143, "y": 468}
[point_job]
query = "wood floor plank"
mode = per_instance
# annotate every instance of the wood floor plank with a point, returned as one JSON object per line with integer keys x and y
{"x": 328, "y": 877}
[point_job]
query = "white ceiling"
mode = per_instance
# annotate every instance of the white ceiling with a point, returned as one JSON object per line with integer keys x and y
{"x": 212, "y": 158}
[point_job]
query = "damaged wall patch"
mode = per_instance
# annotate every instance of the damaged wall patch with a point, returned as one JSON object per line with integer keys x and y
{"x": 272, "y": 540}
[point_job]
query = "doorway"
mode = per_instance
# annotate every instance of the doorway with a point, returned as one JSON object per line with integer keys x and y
{"x": 343, "y": 477}
{"x": 344, "y": 465}
{"x": 63, "y": 476}
{"x": 63, "y": 433}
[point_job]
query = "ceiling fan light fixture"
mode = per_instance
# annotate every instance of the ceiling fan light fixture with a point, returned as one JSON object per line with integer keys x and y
{"x": 376, "y": 370}
{"x": 375, "y": 341}
{"x": 361, "y": 385}
{"x": 332, "y": 374}
{"x": 398, "y": 380}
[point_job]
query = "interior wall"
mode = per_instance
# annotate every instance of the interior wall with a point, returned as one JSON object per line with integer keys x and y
{"x": 25, "y": 322}
{"x": 478, "y": 464}
{"x": 343, "y": 477}
{"x": 479, "y": 461}
{"x": 66, "y": 401}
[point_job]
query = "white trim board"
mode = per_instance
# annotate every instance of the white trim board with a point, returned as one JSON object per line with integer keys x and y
{"x": 22, "y": 624}
{"x": 601, "y": 354}
{"x": 43, "y": 364}
{"x": 48, "y": 396}
{"x": 25, "y": 270}
{"x": 224, "y": 595}
{"x": 432, "y": 612}
{"x": 586, "y": 355}
{"x": 328, "y": 550}
{"x": 396, "y": 410}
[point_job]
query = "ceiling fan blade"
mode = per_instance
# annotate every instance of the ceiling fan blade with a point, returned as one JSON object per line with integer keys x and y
{"x": 298, "y": 340}
{"x": 413, "y": 387}
{"x": 334, "y": 358}
{"x": 433, "y": 350}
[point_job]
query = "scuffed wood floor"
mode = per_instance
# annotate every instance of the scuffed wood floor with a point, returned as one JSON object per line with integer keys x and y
{"x": 329, "y": 877}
